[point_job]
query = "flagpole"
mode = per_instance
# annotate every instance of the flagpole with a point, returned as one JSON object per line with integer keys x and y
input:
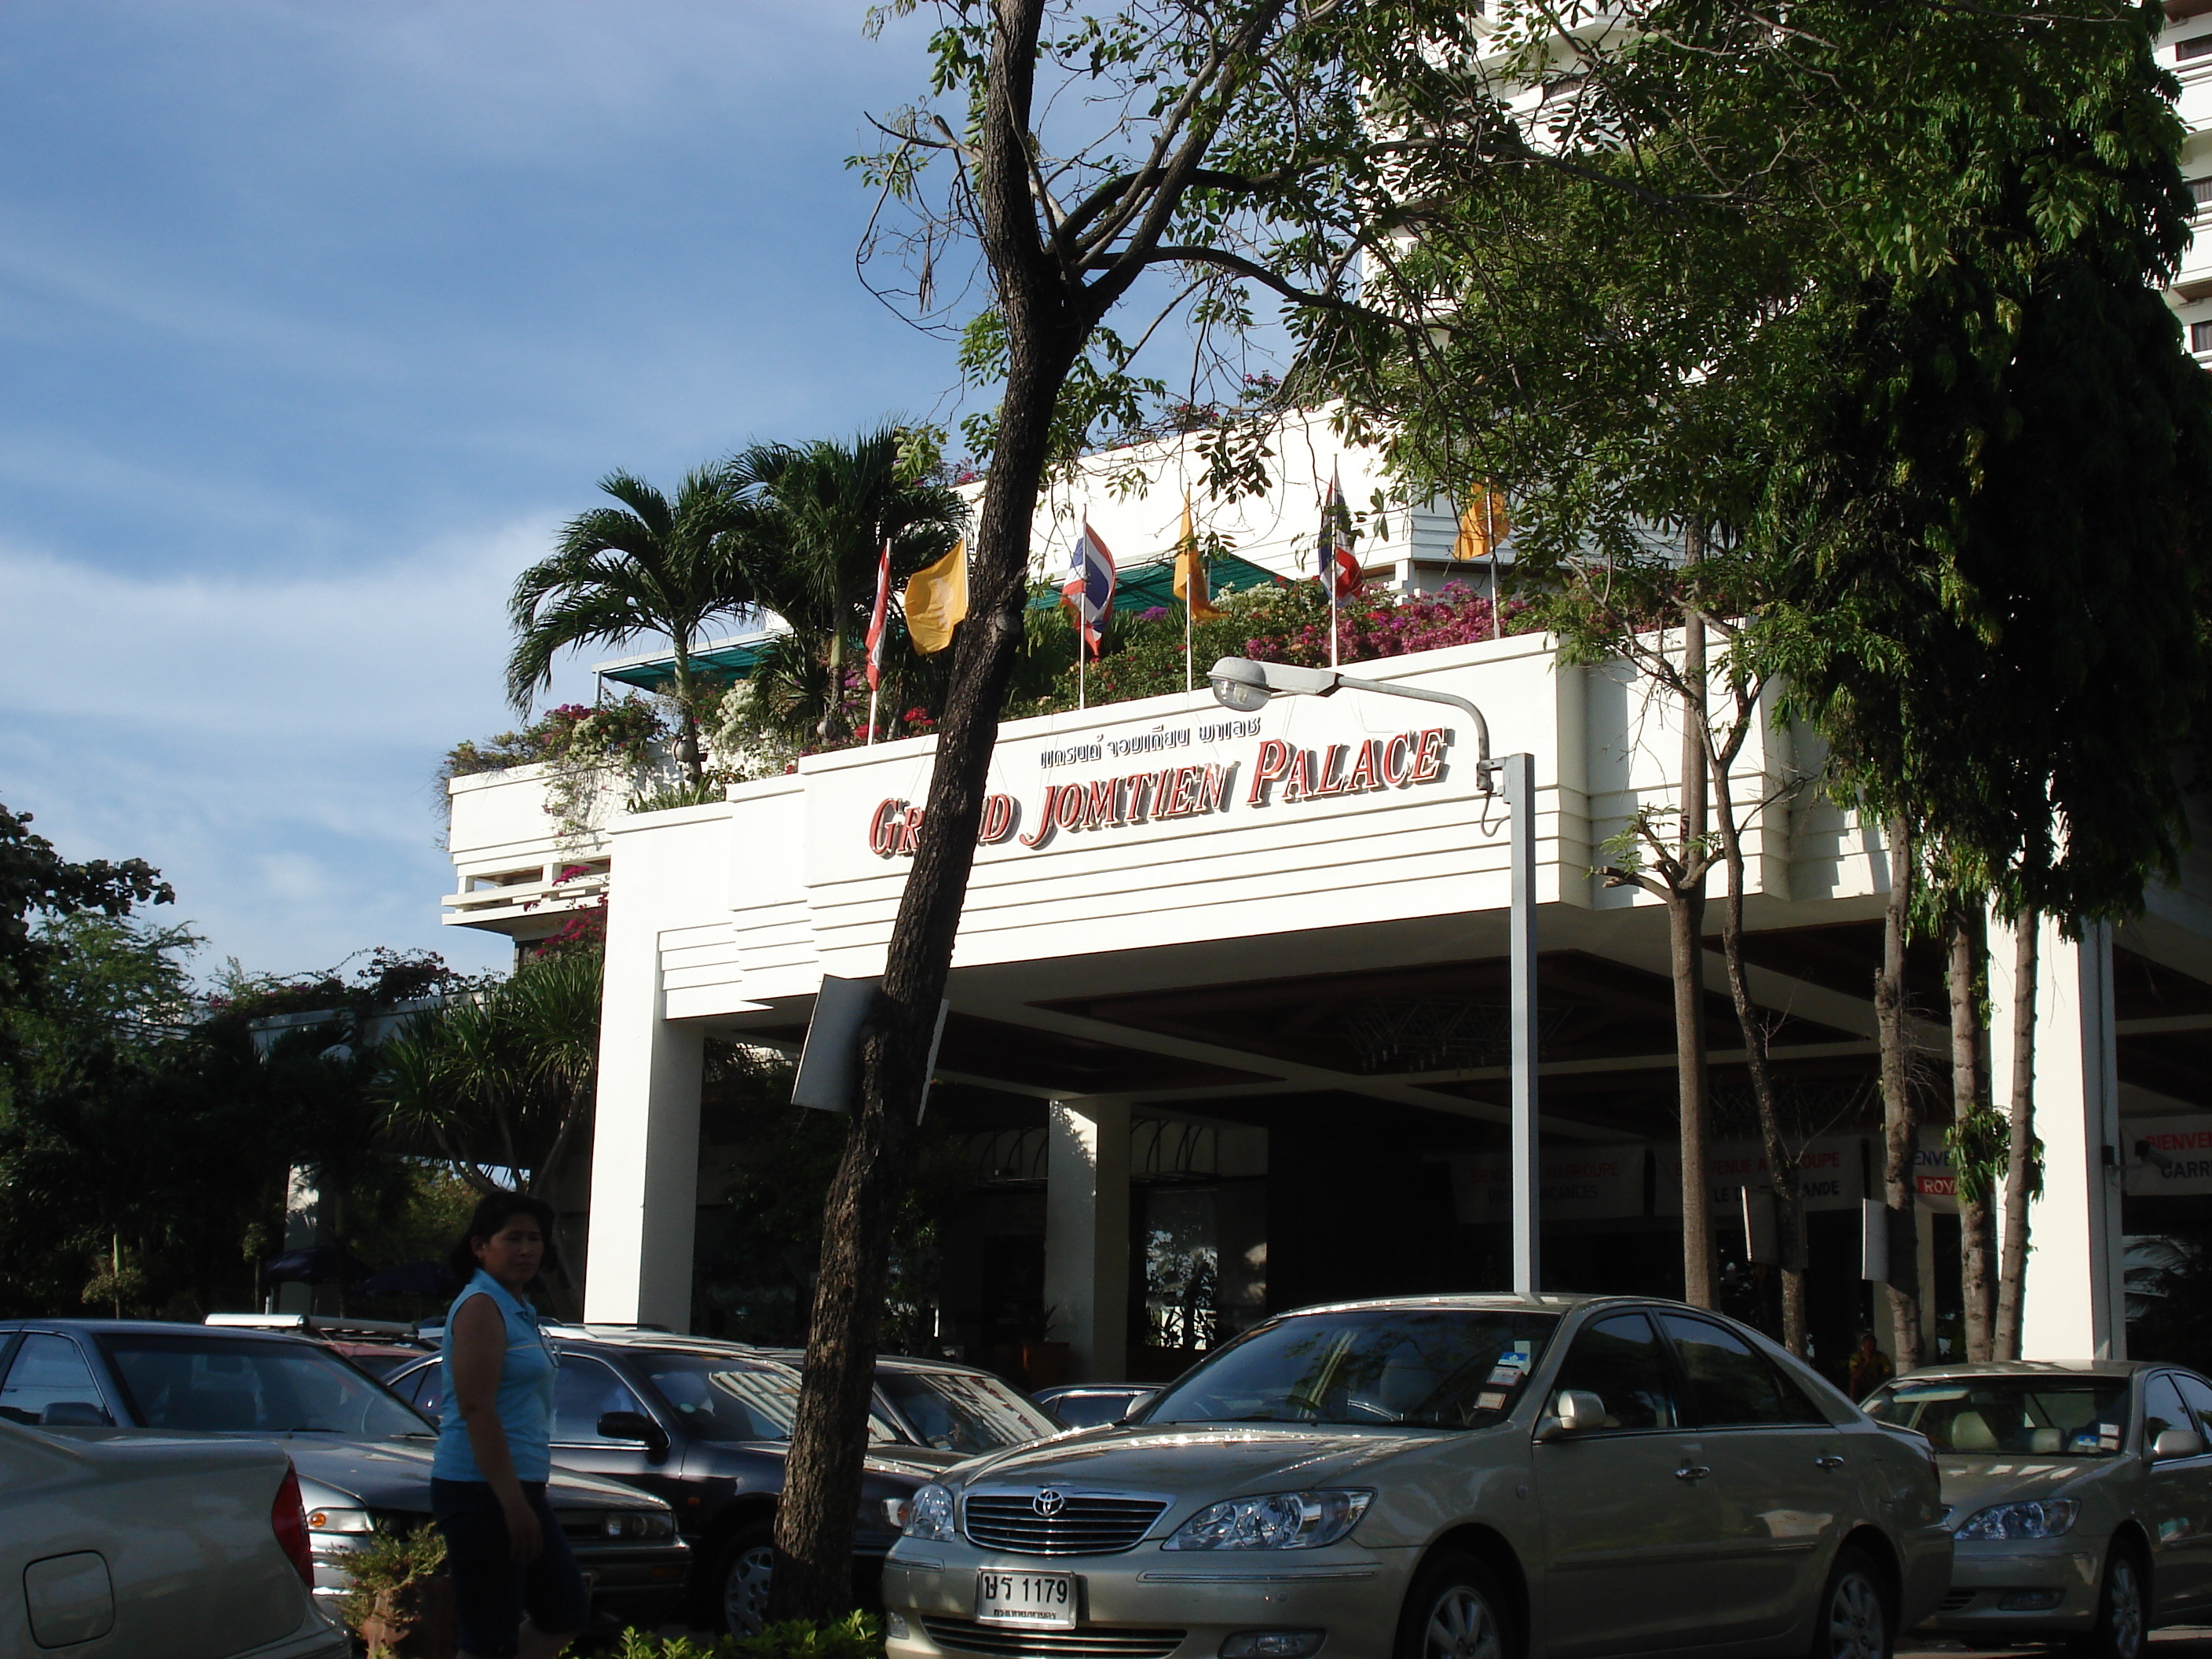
{"x": 1082, "y": 659}
{"x": 1189, "y": 681}
{"x": 871, "y": 716}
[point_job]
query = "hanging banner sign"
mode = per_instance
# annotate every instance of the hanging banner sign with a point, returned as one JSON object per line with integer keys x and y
{"x": 1279, "y": 774}
{"x": 1582, "y": 1183}
{"x": 2167, "y": 1156}
{"x": 1831, "y": 1173}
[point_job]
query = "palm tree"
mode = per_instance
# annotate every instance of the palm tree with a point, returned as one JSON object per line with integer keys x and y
{"x": 646, "y": 567}
{"x": 826, "y": 508}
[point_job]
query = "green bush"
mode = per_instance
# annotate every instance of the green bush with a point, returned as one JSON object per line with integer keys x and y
{"x": 856, "y": 1636}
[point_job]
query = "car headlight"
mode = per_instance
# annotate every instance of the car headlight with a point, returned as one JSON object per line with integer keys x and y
{"x": 929, "y": 1514}
{"x": 336, "y": 1519}
{"x": 636, "y": 1523}
{"x": 1276, "y": 1521}
{"x": 2044, "y": 1518}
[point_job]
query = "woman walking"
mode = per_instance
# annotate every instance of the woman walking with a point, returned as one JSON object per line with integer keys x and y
{"x": 503, "y": 1547}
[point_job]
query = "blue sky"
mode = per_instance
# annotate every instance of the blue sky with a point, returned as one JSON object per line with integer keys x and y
{"x": 315, "y": 318}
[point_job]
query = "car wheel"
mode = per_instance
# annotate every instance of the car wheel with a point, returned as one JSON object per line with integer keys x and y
{"x": 1855, "y": 1621}
{"x": 2123, "y": 1611}
{"x": 1453, "y": 1611}
{"x": 741, "y": 1580}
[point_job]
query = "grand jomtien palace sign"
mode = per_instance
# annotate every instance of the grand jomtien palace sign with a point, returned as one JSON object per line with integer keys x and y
{"x": 1275, "y": 773}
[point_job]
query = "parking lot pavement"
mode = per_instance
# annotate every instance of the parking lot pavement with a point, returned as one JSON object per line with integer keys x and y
{"x": 2182, "y": 1642}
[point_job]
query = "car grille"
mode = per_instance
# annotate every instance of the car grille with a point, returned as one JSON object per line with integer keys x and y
{"x": 965, "y": 1636}
{"x": 1957, "y": 1599}
{"x": 1083, "y": 1526}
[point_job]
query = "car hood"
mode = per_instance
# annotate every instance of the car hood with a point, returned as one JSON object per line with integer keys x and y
{"x": 1221, "y": 1460}
{"x": 1974, "y": 1483}
{"x": 395, "y": 1475}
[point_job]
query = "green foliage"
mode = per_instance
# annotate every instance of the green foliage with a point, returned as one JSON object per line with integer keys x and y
{"x": 856, "y": 1636}
{"x": 387, "y": 1571}
{"x": 759, "y": 1251}
{"x": 668, "y": 797}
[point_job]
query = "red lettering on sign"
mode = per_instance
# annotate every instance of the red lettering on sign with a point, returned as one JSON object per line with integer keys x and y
{"x": 1329, "y": 783}
{"x": 1042, "y": 834}
{"x": 1102, "y": 808}
{"x": 1274, "y": 764}
{"x": 1429, "y": 760}
{"x": 1365, "y": 770}
{"x": 1301, "y": 784}
{"x": 1214, "y": 788}
{"x": 884, "y": 827}
{"x": 1397, "y": 760}
{"x": 999, "y": 814}
{"x": 1068, "y": 814}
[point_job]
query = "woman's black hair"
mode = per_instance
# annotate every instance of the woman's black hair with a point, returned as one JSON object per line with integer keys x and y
{"x": 493, "y": 1212}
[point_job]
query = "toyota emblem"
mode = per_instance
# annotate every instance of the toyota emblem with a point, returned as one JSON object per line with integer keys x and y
{"x": 1048, "y": 1503}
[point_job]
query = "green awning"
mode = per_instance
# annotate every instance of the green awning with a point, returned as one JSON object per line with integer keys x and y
{"x": 1138, "y": 588}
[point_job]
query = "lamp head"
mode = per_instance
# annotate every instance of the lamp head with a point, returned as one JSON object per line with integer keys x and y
{"x": 1239, "y": 684}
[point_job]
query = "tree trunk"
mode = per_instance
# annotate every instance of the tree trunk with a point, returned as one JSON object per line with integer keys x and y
{"x": 1901, "y": 1124}
{"x": 1781, "y": 1162}
{"x": 2021, "y": 1162}
{"x": 687, "y": 719}
{"x": 832, "y": 707}
{"x": 1044, "y": 332}
{"x": 1975, "y": 1231}
{"x": 1685, "y": 928}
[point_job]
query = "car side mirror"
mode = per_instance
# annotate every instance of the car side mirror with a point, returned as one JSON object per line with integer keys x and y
{"x": 73, "y": 1414}
{"x": 1136, "y": 1406}
{"x": 1574, "y": 1411}
{"x": 2177, "y": 1442}
{"x": 634, "y": 1425}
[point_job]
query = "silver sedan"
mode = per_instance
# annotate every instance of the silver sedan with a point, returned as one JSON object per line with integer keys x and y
{"x": 1442, "y": 1478}
{"x": 142, "y": 1547}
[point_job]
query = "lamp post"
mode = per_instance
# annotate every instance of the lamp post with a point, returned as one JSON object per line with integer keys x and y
{"x": 1245, "y": 687}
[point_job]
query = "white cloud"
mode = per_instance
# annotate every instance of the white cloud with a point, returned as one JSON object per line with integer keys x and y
{"x": 269, "y": 744}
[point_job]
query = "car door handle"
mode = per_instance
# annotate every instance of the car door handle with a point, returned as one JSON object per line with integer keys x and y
{"x": 1692, "y": 1472}
{"x": 1828, "y": 1461}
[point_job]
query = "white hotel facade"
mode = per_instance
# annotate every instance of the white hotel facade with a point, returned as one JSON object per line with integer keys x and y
{"x": 1225, "y": 1046}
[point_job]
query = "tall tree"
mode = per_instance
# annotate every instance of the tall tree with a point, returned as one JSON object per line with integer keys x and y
{"x": 824, "y": 511}
{"x": 1219, "y": 148}
{"x": 648, "y": 567}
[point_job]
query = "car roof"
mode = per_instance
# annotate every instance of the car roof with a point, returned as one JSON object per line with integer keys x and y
{"x": 2034, "y": 1368}
{"x": 160, "y": 1327}
{"x": 1551, "y": 1302}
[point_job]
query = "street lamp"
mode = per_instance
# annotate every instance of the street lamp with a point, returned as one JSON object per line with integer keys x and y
{"x": 1245, "y": 686}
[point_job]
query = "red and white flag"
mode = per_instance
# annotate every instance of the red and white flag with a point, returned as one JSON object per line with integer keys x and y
{"x": 878, "y": 624}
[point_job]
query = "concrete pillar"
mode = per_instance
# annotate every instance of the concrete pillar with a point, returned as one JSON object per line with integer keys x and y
{"x": 1087, "y": 1235}
{"x": 2075, "y": 1305}
{"x": 645, "y": 1147}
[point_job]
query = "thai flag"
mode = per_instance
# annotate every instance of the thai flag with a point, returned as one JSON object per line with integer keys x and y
{"x": 1334, "y": 566}
{"x": 1088, "y": 592}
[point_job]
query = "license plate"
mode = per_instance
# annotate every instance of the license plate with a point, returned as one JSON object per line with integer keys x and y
{"x": 1046, "y": 1600}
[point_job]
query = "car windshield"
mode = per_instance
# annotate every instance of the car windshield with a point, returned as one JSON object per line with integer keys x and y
{"x": 1443, "y": 1368}
{"x": 962, "y": 1411}
{"x": 234, "y": 1385}
{"x": 734, "y": 1400}
{"x": 2042, "y": 1416}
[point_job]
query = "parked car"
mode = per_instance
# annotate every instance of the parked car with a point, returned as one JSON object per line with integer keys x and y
{"x": 705, "y": 1424}
{"x": 363, "y": 1454}
{"x": 379, "y": 1347}
{"x": 2079, "y": 1497}
{"x": 91, "y": 1534}
{"x": 1092, "y": 1404}
{"x": 1456, "y": 1477}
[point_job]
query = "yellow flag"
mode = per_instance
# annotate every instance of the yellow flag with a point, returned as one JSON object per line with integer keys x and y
{"x": 936, "y": 598}
{"x": 1190, "y": 572}
{"x": 1482, "y": 526}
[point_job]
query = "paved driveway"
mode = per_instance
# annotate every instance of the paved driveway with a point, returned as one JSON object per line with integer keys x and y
{"x": 2182, "y": 1642}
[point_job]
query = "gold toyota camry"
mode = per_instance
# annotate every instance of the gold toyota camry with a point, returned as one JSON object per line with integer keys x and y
{"x": 2079, "y": 1497}
{"x": 1468, "y": 1476}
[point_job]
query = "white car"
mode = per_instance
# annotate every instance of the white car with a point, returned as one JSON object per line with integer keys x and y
{"x": 155, "y": 1548}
